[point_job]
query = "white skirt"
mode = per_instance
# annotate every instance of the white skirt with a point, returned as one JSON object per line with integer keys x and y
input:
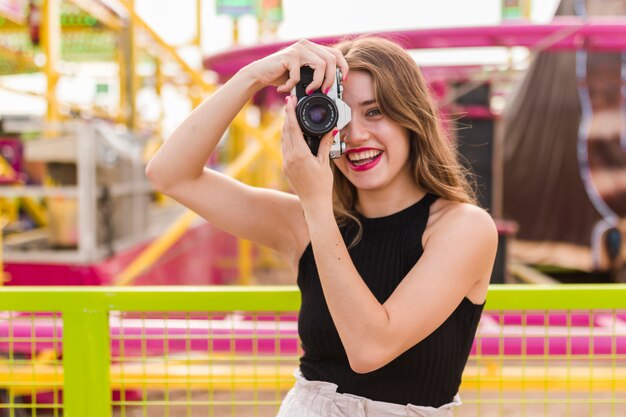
{"x": 321, "y": 399}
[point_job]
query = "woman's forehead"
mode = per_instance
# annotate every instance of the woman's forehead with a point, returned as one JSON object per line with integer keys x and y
{"x": 358, "y": 87}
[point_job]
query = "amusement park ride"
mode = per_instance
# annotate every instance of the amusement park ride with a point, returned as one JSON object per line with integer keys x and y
{"x": 77, "y": 209}
{"x": 77, "y": 205}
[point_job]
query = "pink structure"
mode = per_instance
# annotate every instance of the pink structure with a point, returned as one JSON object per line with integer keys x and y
{"x": 193, "y": 260}
{"x": 562, "y": 33}
{"x": 506, "y": 334}
{"x": 551, "y": 334}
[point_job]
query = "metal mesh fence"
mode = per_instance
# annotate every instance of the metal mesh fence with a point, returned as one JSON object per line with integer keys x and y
{"x": 547, "y": 363}
{"x": 124, "y": 357}
{"x": 31, "y": 373}
{"x": 199, "y": 364}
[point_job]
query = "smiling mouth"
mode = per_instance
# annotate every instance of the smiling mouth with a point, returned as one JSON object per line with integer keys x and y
{"x": 362, "y": 158}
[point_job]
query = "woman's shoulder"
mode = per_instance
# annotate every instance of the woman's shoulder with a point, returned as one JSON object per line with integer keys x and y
{"x": 470, "y": 233}
{"x": 455, "y": 218}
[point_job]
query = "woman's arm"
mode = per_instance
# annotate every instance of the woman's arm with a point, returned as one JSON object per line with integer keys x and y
{"x": 458, "y": 257}
{"x": 268, "y": 217}
{"x": 178, "y": 170}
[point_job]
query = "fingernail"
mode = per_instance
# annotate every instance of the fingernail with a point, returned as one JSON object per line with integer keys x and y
{"x": 335, "y": 131}
{"x": 344, "y": 77}
{"x": 308, "y": 92}
{"x": 286, "y": 99}
{"x": 326, "y": 90}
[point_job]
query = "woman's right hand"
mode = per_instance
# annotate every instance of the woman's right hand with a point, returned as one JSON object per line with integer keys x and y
{"x": 282, "y": 69}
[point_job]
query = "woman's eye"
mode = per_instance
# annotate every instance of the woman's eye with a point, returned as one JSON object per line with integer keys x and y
{"x": 373, "y": 112}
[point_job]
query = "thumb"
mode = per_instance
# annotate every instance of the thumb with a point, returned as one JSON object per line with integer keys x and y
{"x": 325, "y": 144}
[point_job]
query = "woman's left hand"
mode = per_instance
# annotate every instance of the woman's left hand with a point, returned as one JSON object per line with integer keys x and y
{"x": 310, "y": 176}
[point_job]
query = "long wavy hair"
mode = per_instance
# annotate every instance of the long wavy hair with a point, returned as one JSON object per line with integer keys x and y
{"x": 404, "y": 97}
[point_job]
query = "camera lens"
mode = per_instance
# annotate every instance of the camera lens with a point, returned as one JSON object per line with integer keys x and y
{"x": 317, "y": 114}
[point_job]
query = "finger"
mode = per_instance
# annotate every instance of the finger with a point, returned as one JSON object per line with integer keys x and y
{"x": 330, "y": 74}
{"x": 341, "y": 62}
{"x": 296, "y": 56}
{"x": 287, "y": 140}
{"x": 294, "y": 77}
{"x": 319, "y": 72}
{"x": 298, "y": 144}
{"x": 330, "y": 57}
{"x": 330, "y": 60}
{"x": 303, "y": 57}
{"x": 323, "y": 154}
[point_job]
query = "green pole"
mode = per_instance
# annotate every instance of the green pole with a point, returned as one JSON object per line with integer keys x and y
{"x": 86, "y": 357}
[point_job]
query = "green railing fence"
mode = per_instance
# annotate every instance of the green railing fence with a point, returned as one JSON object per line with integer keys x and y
{"x": 540, "y": 350}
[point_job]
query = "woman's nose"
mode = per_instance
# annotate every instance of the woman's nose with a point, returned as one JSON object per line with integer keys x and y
{"x": 354, "y": 133}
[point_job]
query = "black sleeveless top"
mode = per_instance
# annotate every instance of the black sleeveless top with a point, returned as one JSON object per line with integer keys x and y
{"x": 429, "y": 373}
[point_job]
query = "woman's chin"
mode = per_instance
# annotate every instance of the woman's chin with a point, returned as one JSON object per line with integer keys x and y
{"x": 367, "y": 184}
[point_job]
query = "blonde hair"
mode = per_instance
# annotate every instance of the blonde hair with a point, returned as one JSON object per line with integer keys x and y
{"x": 403, "y": 97}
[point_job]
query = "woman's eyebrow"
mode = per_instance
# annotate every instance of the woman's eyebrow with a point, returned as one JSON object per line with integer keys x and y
{"x": 367, "y": 102}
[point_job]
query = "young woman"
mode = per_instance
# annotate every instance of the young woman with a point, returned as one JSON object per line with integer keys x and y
{"x": 393, "y": 256}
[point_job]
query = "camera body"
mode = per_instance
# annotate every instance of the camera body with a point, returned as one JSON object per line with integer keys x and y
{"x": 320, "y": 113}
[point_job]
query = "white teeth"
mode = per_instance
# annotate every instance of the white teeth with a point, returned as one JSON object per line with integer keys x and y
{"x": 359, "y": 156}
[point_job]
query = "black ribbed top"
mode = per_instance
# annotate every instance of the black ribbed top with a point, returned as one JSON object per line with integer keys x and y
{"x": 429, "y": 373}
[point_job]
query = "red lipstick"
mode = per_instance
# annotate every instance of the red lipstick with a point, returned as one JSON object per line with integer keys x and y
{"x": 363, "y": 167}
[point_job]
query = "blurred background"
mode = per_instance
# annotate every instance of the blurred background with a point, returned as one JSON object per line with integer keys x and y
{"x": 121, "y": 302}
{"x": 532, "y": 93}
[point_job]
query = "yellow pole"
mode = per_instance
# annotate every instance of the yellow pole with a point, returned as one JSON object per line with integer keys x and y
{"x": 235, "y": 31}
{"x": 159, "y": 81}
{"x": 123, "y": 115}
{"x": 196, "y": 76}
{"x": 132, "y": 67}
{"x": 244, "y": 263}
{"x": 159, "y": 247}
{"x": 51, "y": 28}
{"x": 270, "y": 125}
{"x": 196, "y": 92}
{"x": 527, "y": 8}
{"x": 198, "y": 39}
{"x": 237, "y": 139}
{"x": 3, "y": 223}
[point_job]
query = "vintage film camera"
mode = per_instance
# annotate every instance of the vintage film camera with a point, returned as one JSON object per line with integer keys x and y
{"x": 319, "y": 113}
